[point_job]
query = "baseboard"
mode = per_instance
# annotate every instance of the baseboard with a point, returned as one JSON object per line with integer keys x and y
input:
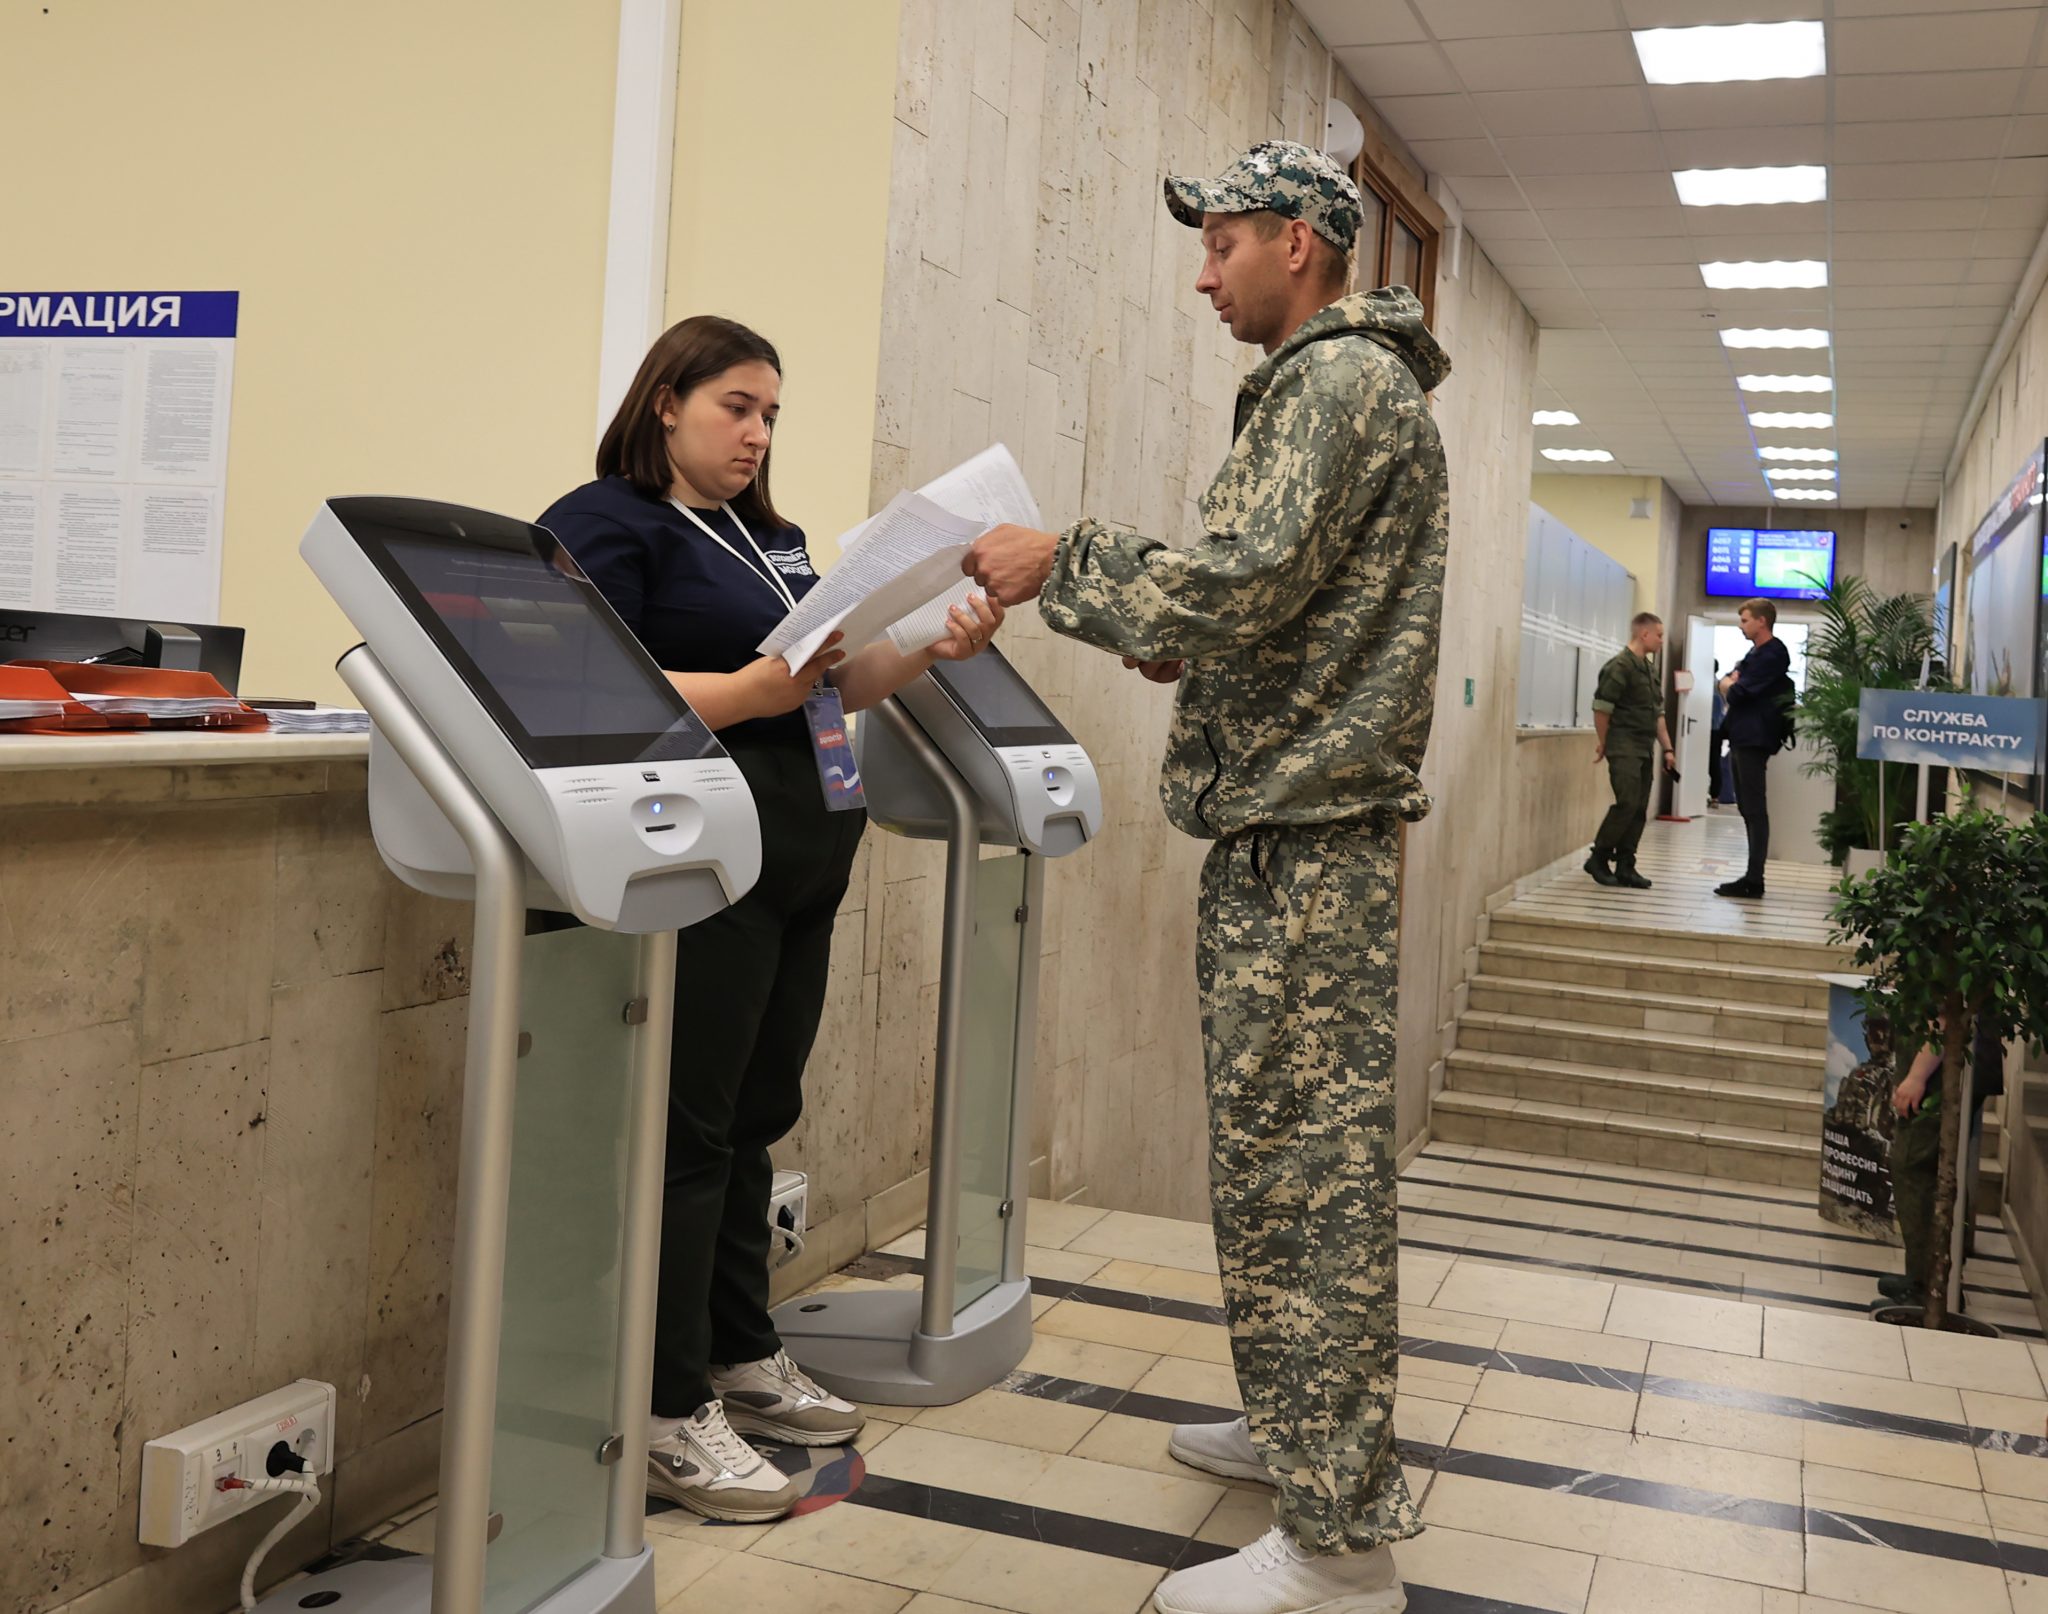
{"x": 2030, "y": 1268}
{"x": 1416, "y": 1145}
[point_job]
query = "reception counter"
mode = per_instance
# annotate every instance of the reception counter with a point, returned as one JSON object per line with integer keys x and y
{"x": 230, "y": 1064}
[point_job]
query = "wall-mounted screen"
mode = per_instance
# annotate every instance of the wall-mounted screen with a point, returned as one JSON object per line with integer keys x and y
{"x": 1758, "y": 563}
{"x": 2002, "y": 598}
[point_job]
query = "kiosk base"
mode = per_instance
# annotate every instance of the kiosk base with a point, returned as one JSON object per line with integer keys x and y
{"x": 406, "y": 1586}
{"x": 866, "y": 1345}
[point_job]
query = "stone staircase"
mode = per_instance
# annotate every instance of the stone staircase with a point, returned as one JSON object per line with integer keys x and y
{"x": 1642, "y": 1047}
{"x": 1646, "y": 1047}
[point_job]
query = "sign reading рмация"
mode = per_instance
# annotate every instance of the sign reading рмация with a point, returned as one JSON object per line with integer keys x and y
{"x": 1990, "y": 733}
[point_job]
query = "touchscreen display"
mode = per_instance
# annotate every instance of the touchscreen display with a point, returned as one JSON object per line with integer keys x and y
{"x": 534, "y": 640}
{"x": 998, "y": 702}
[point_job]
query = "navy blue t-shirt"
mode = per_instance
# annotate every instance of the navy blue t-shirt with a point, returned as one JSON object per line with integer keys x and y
{"x": 695, "y": 606}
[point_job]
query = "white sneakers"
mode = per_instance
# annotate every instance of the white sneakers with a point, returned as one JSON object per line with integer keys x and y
{"x": 704, "y": 1463}
{"x": 1219, "y": 1448}
{"x": 1276, "y": 1576}
{"x": 707, "y": 1468}
{"x": 779, "y": 1401}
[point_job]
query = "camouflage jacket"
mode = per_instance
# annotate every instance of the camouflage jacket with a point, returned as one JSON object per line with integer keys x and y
{"x": 1308, "y": 610}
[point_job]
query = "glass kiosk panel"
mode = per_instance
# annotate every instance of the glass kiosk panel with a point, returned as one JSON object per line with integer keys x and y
{"x": 557, "y": 1356}
{"x": 988, "y": 1075}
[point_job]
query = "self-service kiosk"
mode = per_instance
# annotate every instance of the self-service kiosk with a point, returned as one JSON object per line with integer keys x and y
{"x": 528, "y": 754}
{"x": 970, "y": 755}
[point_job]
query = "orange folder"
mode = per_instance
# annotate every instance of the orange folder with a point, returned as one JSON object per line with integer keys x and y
{"x": 150, "y": 683}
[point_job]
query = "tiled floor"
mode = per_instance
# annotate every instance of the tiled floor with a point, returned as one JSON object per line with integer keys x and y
{"x": 1685, "y": 862}
{"x": 1577, "y": 1444}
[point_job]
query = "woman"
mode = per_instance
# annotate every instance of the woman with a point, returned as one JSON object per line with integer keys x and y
{"x": 681, "y": 535}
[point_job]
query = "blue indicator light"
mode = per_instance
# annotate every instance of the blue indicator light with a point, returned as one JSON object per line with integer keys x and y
{"x": 655, "y": 808}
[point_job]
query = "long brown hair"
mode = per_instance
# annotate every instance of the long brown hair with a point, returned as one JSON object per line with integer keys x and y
{"x": 683, "y": 358}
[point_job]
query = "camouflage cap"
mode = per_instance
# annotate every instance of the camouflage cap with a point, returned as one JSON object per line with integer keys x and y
{"x": 1279, "y": 176}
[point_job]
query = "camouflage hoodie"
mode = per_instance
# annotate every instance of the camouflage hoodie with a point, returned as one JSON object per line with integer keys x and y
{"x": 1308, "y": 610}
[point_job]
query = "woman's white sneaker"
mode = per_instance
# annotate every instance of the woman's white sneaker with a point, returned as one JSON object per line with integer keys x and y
{"x": 779, "y": 1401}
{"x": 1219, "y": 1448}
{"x": 708, "y": 1469}
{"x": 1274, "y": 1575}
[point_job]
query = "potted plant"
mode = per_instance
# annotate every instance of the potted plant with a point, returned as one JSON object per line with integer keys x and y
{"x": 1954, "y": 930}
{"x": 1864, "y": 640}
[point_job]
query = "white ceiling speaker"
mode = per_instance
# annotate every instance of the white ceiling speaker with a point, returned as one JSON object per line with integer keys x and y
{"x": 1343, "y": 134}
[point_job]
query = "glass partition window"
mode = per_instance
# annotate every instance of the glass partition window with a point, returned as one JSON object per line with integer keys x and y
{"x": 1576, "y": 604}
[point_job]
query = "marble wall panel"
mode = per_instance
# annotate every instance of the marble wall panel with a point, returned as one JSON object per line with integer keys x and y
{"x": 331, "y": 890}
{"x": 206, "y": 963}
{"x": 74, "y": 921}
{"x": 68, "y": 1156}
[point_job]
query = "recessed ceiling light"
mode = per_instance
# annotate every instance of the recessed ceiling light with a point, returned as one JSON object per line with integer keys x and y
{"x": 1754, "y": 50}
{"x": 1785, "y": 383}
{"x": 1597, "y": 456}
{"x": 1554, "y": 417}
{"x": 1785, "y": 274}
{"x": 1817, "y": 455}
{"x": 1750, "y": 187}
{"x": 1778, "y": 338}
{"x": 1780, "y": 473}
{"x": 1793, "y": 419}
{"x": 1803, "y": 493}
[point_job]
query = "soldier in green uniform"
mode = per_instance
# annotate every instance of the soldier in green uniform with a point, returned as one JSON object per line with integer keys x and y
{"x": 1301, "y": 626}
{"x": 1628, "y": 718}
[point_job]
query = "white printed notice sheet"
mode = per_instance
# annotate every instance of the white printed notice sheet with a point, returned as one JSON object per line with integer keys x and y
{"x": 114, "y": 450}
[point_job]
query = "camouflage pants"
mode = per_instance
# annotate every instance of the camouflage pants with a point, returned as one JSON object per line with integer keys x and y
{"x": 1295, "y": 953}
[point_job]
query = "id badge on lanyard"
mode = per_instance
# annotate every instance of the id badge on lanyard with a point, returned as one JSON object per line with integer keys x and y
{"x": 824, "y": 712}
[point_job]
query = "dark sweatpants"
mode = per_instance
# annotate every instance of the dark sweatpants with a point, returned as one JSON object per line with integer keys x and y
{"x": 750, "y": 988}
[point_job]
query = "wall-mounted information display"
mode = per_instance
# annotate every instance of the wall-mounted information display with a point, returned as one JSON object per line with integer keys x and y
{"x": 1753, "y": 562}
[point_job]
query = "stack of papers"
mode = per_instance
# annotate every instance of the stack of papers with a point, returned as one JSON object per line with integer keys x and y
{"x": 166, "y": 708}
{"x": 317, "y": 720}
{"x": 899, "y": 572}
{"x": 14, "y": 711}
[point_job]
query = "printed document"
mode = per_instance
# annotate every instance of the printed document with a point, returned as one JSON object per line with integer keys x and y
{"x": 991, "y": 489}
{"x": 901, "y": 559}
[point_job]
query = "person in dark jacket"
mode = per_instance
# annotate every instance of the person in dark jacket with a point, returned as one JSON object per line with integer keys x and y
{"x": 1759, "y": 695}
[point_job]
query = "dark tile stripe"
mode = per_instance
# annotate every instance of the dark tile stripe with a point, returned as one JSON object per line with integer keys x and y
{"x": 1985, "y": 1224}
{"x": 1644, "y": 1241}
{"x": 1734, "y": 1291}
{"x": 1788, "y": 1517}
{"x": 1855, "y": 1239}
{"x": 1104, "y": 1537}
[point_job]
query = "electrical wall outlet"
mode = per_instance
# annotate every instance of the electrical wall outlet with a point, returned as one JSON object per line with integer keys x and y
{"x": 788, "y": 1205}
{"x": 182, "y": 1472}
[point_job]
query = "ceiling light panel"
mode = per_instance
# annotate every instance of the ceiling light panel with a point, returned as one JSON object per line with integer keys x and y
{"x": 1774, "y": 338}
{"x": 1804, "y": 493}
{"x": 1777, "y": 275}
{"x": 1815, "y": 454}
{"x": 1770, "y": 420}
{"x": 1785, "y": 383}
{"x": 1747, "y": 51}
{"x": 1750, "y": 187}
{"x": 1780, "y": 473}
{"x": 1591, "y": 456}
{"x": 1554, "y": 417}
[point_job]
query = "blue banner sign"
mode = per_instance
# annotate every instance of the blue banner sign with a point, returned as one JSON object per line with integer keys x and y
{"x": 155, "y": 314}
{"x": 1992, "y": 734}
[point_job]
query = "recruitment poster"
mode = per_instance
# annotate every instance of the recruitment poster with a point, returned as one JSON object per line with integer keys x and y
{"x": 114, "y": 450}
{"x": 1856, "y": 1115}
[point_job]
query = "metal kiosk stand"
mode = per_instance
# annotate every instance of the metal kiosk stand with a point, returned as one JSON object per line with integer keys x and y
{"x": 527, "y": 754}
{"x": 970, "y": 755}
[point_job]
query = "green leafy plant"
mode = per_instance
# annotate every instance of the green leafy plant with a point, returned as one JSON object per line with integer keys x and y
{"x": 1954, "y": 932}
{"x": 1864, "y": 640}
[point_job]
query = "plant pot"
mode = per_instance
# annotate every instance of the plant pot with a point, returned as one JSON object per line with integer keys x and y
{"x": 1916, "y": 1317}
{"x": 1862, "y": 859}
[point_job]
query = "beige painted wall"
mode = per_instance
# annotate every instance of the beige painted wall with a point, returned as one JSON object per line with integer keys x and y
{"x": 411, "y": 200}
{"x": 779, "y": 220}
{"x": 1597, "y": 509}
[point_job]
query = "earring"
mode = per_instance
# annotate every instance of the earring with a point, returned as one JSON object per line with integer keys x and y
{"x": 668, "y": 425}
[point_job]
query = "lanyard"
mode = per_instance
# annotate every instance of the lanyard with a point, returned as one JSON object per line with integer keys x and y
{"x": 766, "y": 571}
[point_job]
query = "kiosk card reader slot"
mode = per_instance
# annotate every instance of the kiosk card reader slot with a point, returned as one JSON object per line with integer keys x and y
{"x": 527, "y": 752}
{"x": 970, "y": 755}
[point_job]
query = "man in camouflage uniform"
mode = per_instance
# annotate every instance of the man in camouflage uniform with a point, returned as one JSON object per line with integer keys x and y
{"x": 1628, "y": 718}
{"x": 1301, "y": 626}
